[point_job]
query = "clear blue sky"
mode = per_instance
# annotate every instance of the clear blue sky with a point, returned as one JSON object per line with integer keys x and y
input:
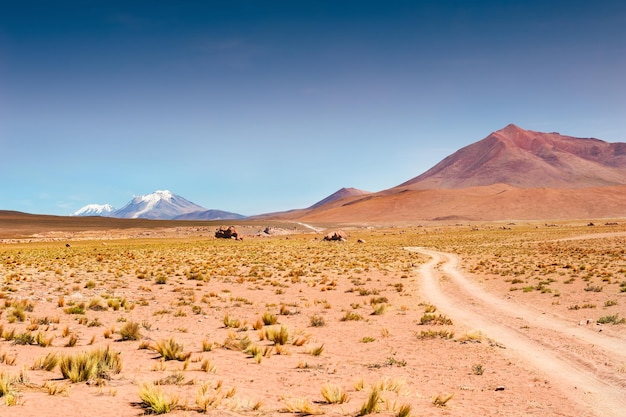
{"x": 259, "y": 106}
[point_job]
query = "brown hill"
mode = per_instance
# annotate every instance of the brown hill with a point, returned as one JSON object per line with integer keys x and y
{"x": 487, "y": 203}
{"x": 528, "y": 159}
{"x": 340, "y": 194}
{"x": 511, "y": 174}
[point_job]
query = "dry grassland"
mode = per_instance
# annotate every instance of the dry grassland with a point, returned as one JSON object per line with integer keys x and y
{"x": 289, "y": 325}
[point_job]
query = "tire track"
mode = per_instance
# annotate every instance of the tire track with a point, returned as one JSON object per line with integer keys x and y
{"x": 580, "y": 376}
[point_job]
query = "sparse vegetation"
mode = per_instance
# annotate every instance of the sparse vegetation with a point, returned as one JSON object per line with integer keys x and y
{"x": 154, "y": 400}
{"x": 334, "y": 394}
{"x": 169, "y": 350}
{"x": 86, "y": 366}
{"x": 441, "y": 400}
{"x": 130, "y": 331}
{"x": 373, "y": 403}
{"x": 213, "y": 291}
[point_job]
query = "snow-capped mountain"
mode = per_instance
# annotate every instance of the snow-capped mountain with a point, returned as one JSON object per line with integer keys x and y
{"x": 161, "y": 204}
{"x": 104, "y": 210}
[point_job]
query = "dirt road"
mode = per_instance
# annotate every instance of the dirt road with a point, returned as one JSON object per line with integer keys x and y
{"x": 581, "y": 362}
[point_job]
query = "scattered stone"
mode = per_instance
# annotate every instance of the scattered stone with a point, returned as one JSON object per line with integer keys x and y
{"x": 360, "y": 241}
{"x": 500, "y": 388}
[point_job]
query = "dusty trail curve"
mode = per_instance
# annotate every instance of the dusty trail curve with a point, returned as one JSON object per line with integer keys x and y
{"x": 535, "y": 337}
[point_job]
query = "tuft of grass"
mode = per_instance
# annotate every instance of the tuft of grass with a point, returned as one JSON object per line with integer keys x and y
{"x": 130, "y": 331}
{"x": 207, "y": 346}
{"x": 76, "y": 309}
{"x": 379, "y": 309}
{"x": 611, "y": 319}
{"x": 42, "y": 340}
{"x": 208, "y": 398}
{"x": 169, "y": 350}
{"x": 208, "y": 366}
{"x": 334, "y": 394}
{"x": 404, "y": 411}
{"x": 317, "y": 351}
{"x": 478, "y": 369}
{"x": 471, "y": 337}
{"x": 277, "y": 334}
{"x": 87, "y": 366}
{"x": 432, "y": 319}
{"x": 351, "y": 316}
{"x": 440, "y": 400}
{"x": 25, "y": 338}
{"x": 317, "y": 321}
{"x": 56, "y": 389}
{"x": 372, "y": 404}
{"x": 430, "y": 308}
{"x": 7, "y": 389}
{"x": 72, "y": 340}
{"x": 231, "y": 322}
{"x": 433, "y": 334}
{"x": 359, "y": 384}
{"x": 47, "y": 363}
{"x": 302, "y": 407}
{"x": 269, "y": 319}
{"x": 154, "y": 401}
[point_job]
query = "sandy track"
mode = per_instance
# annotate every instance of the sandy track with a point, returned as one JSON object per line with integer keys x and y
{"x": 578, "y": 361}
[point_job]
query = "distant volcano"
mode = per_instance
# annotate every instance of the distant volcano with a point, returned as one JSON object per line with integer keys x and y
{"x": 528, "y": 159}
{"x": 163, "y": 205}
{"x": 103, "y": 210}
{"x": 160, "y": 205}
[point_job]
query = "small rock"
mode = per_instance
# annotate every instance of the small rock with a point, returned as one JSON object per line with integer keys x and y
{"x": 500, "y": 388}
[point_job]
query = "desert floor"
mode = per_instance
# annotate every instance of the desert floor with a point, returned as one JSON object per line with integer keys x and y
{"x": 489, "y": 319}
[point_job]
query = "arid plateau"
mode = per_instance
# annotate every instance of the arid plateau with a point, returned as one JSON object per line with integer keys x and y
{"x": 498, "y": 319}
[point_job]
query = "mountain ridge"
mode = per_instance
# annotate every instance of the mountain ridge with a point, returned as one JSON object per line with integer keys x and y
{"x": 160, "y": 205}
{"x": 510, "y": 174}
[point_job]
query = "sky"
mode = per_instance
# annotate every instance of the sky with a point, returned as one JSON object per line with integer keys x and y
{"x": 262, "y": 106}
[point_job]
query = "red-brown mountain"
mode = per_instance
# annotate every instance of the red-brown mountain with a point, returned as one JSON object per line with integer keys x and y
{"x": 528, "y": 159}
{"x": 511, "y": 174}
{"x": 340, "y": 194}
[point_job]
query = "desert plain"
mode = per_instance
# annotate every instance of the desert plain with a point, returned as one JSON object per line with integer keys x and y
{"x": 467, "y": 319}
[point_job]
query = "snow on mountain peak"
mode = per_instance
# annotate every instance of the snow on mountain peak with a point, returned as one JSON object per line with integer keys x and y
{"x": 161, "y": 204}
{"x": 94, "y": 210}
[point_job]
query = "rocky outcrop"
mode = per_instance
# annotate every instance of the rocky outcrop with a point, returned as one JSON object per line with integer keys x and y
{"x": 227, "y": 233}
{"x": 339, "y": 235}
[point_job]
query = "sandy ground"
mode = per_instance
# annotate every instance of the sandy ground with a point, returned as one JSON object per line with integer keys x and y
{"x": 528, "y": 360}
{"x": 572, "y": 357}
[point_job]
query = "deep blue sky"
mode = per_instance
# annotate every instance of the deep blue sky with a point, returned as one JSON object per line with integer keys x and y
{"x": 258, "y": 106}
